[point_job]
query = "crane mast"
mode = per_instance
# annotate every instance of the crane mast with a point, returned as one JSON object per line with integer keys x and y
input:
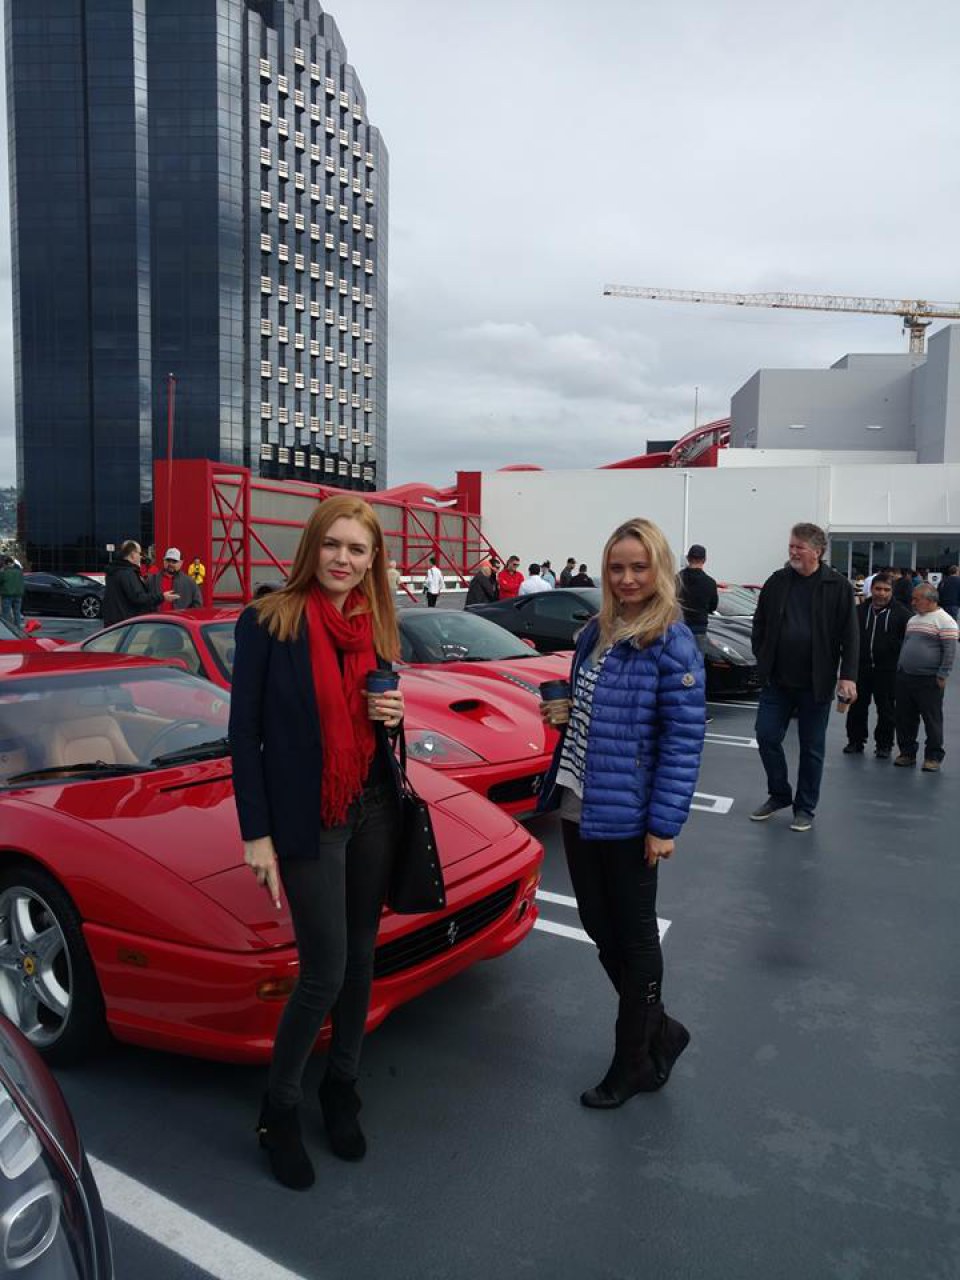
{"x": 917, "y": 314}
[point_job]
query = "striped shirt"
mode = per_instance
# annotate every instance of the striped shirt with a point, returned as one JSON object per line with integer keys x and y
{"x": 573, "y": 755}
{"x": 930, "y": 645}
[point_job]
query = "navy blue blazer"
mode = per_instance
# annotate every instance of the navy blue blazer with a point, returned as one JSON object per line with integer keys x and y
{"x": 275, "y": 739}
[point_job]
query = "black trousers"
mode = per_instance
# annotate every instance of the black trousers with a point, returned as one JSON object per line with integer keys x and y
{"x": 919, "y": 697}
{"x": 335, "y": 901}
{"x": 616, "y": 896}
{"x": 880, "y": 686}
{"x": 431, "y": 600}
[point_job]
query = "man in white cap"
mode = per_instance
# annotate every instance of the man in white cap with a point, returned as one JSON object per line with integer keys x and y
{"x": 186, "y": 592}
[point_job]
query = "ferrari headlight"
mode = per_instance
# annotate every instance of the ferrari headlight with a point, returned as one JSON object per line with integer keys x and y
{"x": 732, "y": 653}
{"x": 437, "y": 749}
{"x": 42, "y": 1214}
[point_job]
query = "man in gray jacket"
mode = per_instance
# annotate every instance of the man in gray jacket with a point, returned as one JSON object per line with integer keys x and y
{"x": 185, "y": 591}
{"x": 926, "y": 660}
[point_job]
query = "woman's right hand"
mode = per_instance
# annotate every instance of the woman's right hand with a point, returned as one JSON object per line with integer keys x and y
{"x": 261, "y": 857}
{"x": 556, "y": 713}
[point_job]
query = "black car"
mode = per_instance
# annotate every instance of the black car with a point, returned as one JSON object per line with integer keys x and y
{"x": 51, "y": 1219}
{"x": 70, "y": 596}
{"x": 551, "y": 619}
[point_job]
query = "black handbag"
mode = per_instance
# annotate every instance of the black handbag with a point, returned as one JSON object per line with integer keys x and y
{"x": 416, "y": 881}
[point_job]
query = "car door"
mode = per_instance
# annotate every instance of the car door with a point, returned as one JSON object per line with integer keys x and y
{"x": 47, "y": 594}
{"x": 554, "y": 618}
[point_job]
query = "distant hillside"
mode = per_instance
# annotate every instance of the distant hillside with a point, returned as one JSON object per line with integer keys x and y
{"x": 8, "y": 510}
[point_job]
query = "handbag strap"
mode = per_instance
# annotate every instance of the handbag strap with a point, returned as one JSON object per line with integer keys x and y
{"x": 408, "y": 788}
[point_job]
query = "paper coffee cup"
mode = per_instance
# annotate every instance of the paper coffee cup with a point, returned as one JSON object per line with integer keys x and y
{"x": 380, "y": 681}
{"x": 554, "y": 690}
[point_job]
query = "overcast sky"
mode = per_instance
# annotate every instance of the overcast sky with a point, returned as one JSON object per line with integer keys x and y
{"x": 539, "y": 150}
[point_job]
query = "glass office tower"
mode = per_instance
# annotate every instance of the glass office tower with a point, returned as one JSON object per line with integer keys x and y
{"x": 196, "y": 190}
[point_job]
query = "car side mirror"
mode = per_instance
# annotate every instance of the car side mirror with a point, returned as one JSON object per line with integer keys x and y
{"x": 32, "y": 627}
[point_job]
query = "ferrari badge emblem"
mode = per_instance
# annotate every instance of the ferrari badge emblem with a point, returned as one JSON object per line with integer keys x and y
{"x": 452, "y": 930}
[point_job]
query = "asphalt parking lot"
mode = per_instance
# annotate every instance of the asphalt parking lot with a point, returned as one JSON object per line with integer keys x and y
{"x": 809, "y": 1131}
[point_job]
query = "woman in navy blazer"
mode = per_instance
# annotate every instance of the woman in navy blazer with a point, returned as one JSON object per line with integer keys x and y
{"x": 317, "y": 796}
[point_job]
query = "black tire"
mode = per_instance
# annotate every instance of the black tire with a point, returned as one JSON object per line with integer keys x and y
{"x": 90, "y": 606}
{"x": 83, "y": 1029}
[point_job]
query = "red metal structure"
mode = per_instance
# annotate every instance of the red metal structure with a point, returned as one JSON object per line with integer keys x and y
{"x": 245, "y": 529}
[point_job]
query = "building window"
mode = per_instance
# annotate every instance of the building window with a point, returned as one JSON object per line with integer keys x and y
{"x": 283, "y": 293}
{"x": 265, "y": 72}
{"x": 265, "y": 157}
{"x": 266, "y": 410}
{"x": 266, "y": 370}
{"x": 266, "y": 285}
{"x": 283, "y": 85}
{"x": 266, "y": 243}
{"x": 283, "y": 375}
{"x": 266, "y": 200}
{"x": 266, "y": 112}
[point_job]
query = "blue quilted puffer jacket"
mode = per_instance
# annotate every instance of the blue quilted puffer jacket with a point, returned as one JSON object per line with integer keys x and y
{"x": 645, "y": 738}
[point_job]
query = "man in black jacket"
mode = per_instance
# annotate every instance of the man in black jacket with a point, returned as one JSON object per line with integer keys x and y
{"x": 881, "y": 622}
{"x": 805, "y": 627}
{"x": 483, "y": 586}
{"x": 127, "y": 594}
{"x": 698, "y": 594}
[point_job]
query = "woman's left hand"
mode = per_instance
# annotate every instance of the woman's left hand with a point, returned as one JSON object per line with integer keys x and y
{"x": 655, "y": 848}
{"x": 386, "y": 707}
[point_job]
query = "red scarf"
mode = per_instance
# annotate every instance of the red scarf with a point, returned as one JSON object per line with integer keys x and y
{"x": 346, "y": 729}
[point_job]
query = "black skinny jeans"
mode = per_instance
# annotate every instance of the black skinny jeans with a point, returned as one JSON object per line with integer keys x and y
{"x": 616, "y": 896}
{"x": 335, "y": 902}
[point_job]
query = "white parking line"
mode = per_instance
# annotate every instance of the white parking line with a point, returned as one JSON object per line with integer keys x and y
{"x": 711, "y": 804}
{"x": 181, "y": 1231}
{"x": 731, "y": 740}
{"x": 743, "y": 706}
{"x": 569, "y": 931}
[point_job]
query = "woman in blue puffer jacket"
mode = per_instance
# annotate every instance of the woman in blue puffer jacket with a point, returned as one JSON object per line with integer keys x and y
{"x": 623, "y": 777}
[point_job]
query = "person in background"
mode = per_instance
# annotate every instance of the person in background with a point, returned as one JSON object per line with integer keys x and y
{"x": 186, "y": 593}
{"x": 317, "y": 796}
{"x": 623, "y": 777}
{"x": 547, "y": 574}
{"x": 509, "y": 579}
{"x": 534, "y": 583}
{"x": 433, "y": 584}
{"x": 949, "y": 592}
{"x": 567, "y": 572}
{"x": 926, "y": 660}
{"x": 698, "y": 594}
{"x": 903, "y": 588}
{"x": 394, "y": 576}
{"x": 881, "y": 622}
{"x": 11, "y": 591}
{"x": 804, "y": 628}
{"x": 198, "y": 572}
{"x": 495, "y": 567}
{"x": 483, "y": 586}
{"x": 581, "y": 578}
{"x": 127, "y": 595}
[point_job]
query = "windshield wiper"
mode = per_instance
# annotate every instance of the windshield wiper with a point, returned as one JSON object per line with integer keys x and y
{"x": 88, "y": 766}
{"x": 186, "y": 755}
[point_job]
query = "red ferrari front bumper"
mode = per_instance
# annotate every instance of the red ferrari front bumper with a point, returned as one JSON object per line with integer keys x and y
{"x": 215, "y": 1004}
{"x": 513, "y": 787}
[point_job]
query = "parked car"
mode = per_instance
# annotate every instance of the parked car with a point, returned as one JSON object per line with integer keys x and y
{"x": 552, "y": 619}
{"x": 69, "y": 596}
{"x": 52, "y": 1222}
{"x": 124, "y": 901}
{"x": 476, "y": 718}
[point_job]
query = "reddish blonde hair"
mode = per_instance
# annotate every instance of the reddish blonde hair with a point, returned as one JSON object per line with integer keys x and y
{"x": 282, "y": 611}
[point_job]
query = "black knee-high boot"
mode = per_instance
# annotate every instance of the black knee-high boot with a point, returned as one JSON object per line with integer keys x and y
{"x": 648, "y": 1043}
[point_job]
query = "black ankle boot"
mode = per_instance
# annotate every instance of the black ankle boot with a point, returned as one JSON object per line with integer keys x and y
{"x": 648, "y": 1044}
{"x": 279, "y": 1132}
{"x": 340, "y": 1105}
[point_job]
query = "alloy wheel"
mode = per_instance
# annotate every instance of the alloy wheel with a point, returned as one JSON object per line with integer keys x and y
{"x": 90, "y": 607}
{"x": 36, "y": 986}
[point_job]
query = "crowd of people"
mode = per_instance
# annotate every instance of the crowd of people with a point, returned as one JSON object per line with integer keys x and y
{"x": 135, "y": 586}
{"x": 493, "y": 581}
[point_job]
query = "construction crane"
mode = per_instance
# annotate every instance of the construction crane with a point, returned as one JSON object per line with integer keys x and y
{"x": 917, "y": 314}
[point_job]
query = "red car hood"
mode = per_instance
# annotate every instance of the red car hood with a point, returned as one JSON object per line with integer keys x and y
{"x": 494, "y": 716}
{"x": 154, "y": 814}
{"x": 522, "y": 673}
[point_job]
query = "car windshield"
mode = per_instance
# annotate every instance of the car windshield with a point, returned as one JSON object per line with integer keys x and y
{"x": 78, "y": 580}
{"x": 118, "y": 720}
{"x": 220, "y": 641}
{"x": 737, "y": 602}
{"x": 446, "y": 635}
{"x": 7, "y": 632}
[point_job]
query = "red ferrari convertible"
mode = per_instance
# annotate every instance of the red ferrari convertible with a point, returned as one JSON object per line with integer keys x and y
{"x": 471, "y": 690}
{"x": 124, "y": 901}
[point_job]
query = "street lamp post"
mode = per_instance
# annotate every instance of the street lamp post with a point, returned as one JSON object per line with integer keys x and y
{"x": 171, "y": 398}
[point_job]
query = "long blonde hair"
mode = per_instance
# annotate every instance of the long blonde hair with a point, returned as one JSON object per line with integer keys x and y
{"x": 282, "y": 611}
{"x": 660, "y": 610}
